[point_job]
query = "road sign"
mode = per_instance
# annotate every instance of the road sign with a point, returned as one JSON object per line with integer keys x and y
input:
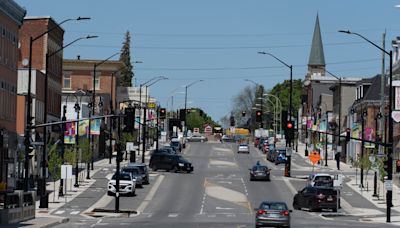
{"x": 396, "y": 116}
{"x": 388, "y": 185}
{"x": 314, "y": 157}
{"x": 66, "y": 171}
{"x": 151, "y": 105}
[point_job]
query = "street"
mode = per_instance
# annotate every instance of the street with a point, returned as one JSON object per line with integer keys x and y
{"x": 217, "y": 194}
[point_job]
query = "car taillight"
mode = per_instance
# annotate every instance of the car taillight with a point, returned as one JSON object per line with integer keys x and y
{"x": 285, "y": 213}
{"x": 320, "y": 196}
{"x": 260, "y": 212}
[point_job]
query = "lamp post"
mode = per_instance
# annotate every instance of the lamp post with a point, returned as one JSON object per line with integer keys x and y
{"x": 94, "y": 101}
{"x": 278, "y": 104}
{"x": 144, "y": 125}
{"x": 186, "y": 88}
{"x": 389, "y": 142}
{"x": 28, "y": 98}
{"x": 77, "y": 108}
{"x": 288, "y": 161}
{"x": 46, "y": 79}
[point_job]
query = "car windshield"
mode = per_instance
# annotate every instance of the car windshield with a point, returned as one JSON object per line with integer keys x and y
{"x": 133, "y": 171}
{"x": 123, "y": 176}
{"x": 273, "y": 206}
{"x": 259, "y": 168}
{"x": 322, "y": 178}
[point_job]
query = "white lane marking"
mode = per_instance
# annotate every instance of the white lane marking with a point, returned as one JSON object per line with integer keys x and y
{"x": 151, "y": 194}
{"x": 202, "y": 203}
{"x": 224, "y": 208}
{"x": 59, "y": 212}
{"x": 98, "y": 222}
{"x": 225, "y": 182}
{"x": 290, "y": 186}
{"x": 173, "y": 215}
{"x": 74, "y": 213}
{"x": 245, "y": 187}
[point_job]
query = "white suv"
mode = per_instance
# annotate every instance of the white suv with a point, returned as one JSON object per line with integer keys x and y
{"x": 323, "y": 179}
{"x": 126, "y": 184}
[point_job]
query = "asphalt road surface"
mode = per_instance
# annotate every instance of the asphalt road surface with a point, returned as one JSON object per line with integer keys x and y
{"x": 217, "y": 194}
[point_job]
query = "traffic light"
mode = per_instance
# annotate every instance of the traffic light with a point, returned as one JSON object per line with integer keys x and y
{"x": 232, "y": 120}
{"x": 163, "y": 113}
{"x": 129, "y": 119}
{"x": 244, "y": 113}
{"x": 258, "y": 116}
{"x": 120, "y": 155}
{"x": 347, "y": 134}
{"x": 182, "y": 114}
{"x": 290, "y": 129}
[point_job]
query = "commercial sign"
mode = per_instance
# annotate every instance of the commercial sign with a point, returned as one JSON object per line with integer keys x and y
{"x": 151, "y": 105}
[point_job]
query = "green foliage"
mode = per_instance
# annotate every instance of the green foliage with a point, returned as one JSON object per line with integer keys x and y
{"x": 282, "y": 90}
{"x": 127, "y": 72}
{"x": 197, "y": 118}
{"x": 54, "y": 163}
{"x": 84, "y": 146}
{"x": 70, "y": 155}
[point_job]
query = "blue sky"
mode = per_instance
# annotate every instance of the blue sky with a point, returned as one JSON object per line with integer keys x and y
{"x": 218, "y": 40}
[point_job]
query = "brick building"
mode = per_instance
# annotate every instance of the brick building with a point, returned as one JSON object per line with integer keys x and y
{"x": 11, "y": 18}
{"x": 49, "y": 43}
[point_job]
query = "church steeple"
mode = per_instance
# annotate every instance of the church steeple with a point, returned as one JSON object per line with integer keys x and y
{"x": 316, "y": 61}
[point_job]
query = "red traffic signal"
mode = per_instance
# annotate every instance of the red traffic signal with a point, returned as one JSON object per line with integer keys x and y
{"x": 163, "y": 113}
{"x": 289, "y": 125}
{"x": 258, "y": 116}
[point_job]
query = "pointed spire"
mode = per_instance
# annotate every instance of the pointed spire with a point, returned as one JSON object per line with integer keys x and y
{"x": 317, "y": 57}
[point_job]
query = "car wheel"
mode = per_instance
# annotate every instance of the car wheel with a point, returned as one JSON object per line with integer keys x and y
{"x": 154, "y": 168}
{"x": 109, "y": 193}
{"x": 334, "y": 209}
{"x": 175, "y": 169}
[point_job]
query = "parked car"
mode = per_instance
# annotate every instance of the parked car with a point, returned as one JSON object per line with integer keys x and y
{"x": 279, "y": 156}
{"x": 176, "y": 144}
{"x": 144, "y": 171}
{"x": 265, "y": 147}
{"x": 169, "y": 162}
{"x": 126, "y": 184}
{"x": 320, "y": 178}
{"x": 197, "y": 138}
{"x": 243, "y": 148}
{"x": 163, "y": 150}
{"x": 135, "y": 173}
{"x": 273, "y": 214}
{"x": 260, "y": 172}
{"x": 316, "y": 198}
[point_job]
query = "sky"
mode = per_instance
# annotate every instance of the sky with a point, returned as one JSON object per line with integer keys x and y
{"x": 217, "y": 41}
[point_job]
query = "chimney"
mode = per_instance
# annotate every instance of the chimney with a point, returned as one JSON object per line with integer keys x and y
{"x": 79, "y": 57}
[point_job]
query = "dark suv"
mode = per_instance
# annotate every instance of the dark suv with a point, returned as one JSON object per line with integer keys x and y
{"x": 316, "y": 198}
{"x": 170, "y": 162}
{"x": 144, "y": 171}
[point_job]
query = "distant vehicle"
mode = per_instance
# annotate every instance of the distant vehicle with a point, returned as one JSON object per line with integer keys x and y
{"x": 315, "y": 198}
{"x": 226, "y": 138}
{"x": 243, "y": 148}
{"x": 260, "y": 172}
{"x": 135, "y": 173}
{"x": 320, "y": 179}
{"x": 169, "y": 162}
{"x": 197, "y": 138}
{"x": 273, "y": 214}
{"x": 176, "y": 144}
{"x": 279, "y": 156}
{"x": 126, "y": 184}
{"x": 265, "y": 147}
{"x": 144, "y": 171}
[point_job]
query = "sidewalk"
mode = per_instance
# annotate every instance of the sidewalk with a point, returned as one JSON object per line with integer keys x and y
{"x": 43, "y": 217}
{"x": 352, "y": 176}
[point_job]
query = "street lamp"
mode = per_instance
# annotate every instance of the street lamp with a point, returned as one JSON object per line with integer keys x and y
{"x": 389, "y": 144}
{"x": 28, "y": 97}
{"x": 278, "y": 104}
{"x": 340, "y": 102}
{"x": 46, "y": 78}
{"x": 154, "y": 79}
{"x": 77, "y": 108}
{"x": 186, "y": 88}
{"x": 94, "y": 102}
{"x": 287, "y": 167}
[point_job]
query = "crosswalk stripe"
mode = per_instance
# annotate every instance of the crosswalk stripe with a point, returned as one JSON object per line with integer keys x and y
{"x": 74, "y": 213}
{"x": 59, "y": 212}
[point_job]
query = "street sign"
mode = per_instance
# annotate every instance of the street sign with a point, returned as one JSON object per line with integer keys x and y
{"x": 314, "y": 157}
{"x": 396, "y": 116}
{"x": 66, "y": 171}
{"x": 388, "y": 185}
{"x": 151, "y": 105}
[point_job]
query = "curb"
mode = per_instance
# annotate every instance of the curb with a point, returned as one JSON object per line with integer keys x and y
{"x": 55, "y": 223}
{"x": 335, "y": 214}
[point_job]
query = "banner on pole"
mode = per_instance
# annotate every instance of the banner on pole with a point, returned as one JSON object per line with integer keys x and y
{"x": 95, "y": 127}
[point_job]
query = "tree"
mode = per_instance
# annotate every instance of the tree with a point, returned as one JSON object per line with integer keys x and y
{"x": 54, "y": 165}
{"x": 127, "y": 72}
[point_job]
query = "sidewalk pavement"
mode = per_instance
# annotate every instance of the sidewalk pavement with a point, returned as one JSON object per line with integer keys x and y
{"x": 353, "y": 181}
{"x": 43, "y": 217}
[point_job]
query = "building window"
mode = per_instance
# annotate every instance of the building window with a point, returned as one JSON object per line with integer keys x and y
{"x": 67, "y": 81}
{"x": 97, "y": 83}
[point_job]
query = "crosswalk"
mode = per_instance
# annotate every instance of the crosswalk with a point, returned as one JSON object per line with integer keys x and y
{"x": 71, "y": 212}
